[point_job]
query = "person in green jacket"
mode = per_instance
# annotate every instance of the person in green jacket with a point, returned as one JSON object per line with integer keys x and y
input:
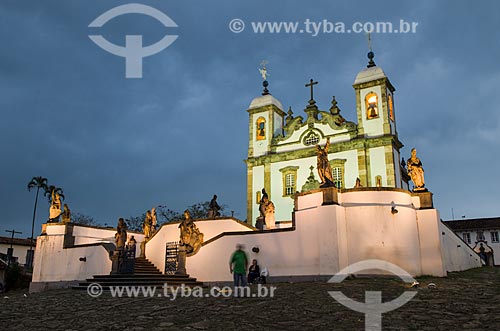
{"x": 238, "y": 266}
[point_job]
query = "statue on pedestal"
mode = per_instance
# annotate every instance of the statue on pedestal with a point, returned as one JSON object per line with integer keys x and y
{"x": 213, "y": 208}
{"x": 324, "y": 167}
{"x": 268, "y": 207}
{"x": 121, "y": 234}
{"x": 154, "y": 221}
{"x": 55, "y": 207}
{"x": 147, "y": 225}
{"x": 190, "y": 238}
{"x": 416, "y": 172}
{"x": 66, "y": 215}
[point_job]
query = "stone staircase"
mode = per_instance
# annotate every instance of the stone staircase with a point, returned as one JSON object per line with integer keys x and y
{"x": 145, "y": 274}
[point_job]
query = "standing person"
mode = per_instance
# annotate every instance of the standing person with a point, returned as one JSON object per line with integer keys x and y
{"x": 238, "y": 266}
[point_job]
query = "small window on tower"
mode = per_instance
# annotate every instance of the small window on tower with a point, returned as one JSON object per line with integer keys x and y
{"x": 371, "y": 102}
{"x": 391, "y": 106}
{"x": 261, "y": 128}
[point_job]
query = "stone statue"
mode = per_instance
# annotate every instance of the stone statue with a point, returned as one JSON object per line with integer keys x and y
{"x": 121, "y": 234}
{"x": 416, "y": 172}
{"x": 55, "y": 207}
{"x": 146, "y": 226}
{"x": 213, "y": 208}
{"x": 66, "y": 215}
{"x": 154, "y": 221}
{"x": 358, "y": 182}
{"x": 324, "y": 167}
{"x": 268, "y": 207}
{"x": 191, "y": 238}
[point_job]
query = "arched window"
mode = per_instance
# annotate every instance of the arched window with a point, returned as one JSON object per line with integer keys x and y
{"x": 261, "y": 128}
{"x": 371, "y": 103}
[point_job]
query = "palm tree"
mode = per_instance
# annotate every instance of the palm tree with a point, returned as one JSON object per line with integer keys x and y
{"x": 53, "y": 189}
{"x": 40, "y": 183}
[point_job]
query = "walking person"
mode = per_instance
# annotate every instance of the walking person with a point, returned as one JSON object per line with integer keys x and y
{"x": 238, "y": 266}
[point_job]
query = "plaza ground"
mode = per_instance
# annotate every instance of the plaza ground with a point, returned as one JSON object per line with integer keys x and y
{"x": 462, "y": 301}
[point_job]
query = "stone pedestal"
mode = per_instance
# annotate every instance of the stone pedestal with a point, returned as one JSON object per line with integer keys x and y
{"x": 181, "y": 268}
{"x": 143, "y": 248}
{"x": 330, "y": 196}
{"x": 425, "y": 199}
{"x": 115, "y": 262}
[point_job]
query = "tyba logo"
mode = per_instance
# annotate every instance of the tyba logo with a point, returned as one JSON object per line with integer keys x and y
{"x": 133, "y": 52}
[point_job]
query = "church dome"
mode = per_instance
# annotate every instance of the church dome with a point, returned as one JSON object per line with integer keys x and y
{"x": 265, "y": 100}
{"x": 369, "y": 74}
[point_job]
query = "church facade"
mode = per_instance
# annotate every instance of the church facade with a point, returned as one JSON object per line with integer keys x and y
{"x": 282, "y": 152}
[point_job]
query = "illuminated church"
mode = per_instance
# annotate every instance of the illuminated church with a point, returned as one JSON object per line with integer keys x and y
{"x": 282, "y": 149}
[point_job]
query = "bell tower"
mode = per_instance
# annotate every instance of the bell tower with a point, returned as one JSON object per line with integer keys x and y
{"x": 379, "y": 158}
{"x": 374, "y": 101}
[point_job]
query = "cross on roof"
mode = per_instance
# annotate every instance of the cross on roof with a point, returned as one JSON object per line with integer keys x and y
{"x": 311, "y": 85}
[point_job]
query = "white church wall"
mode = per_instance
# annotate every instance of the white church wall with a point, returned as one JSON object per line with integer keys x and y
{"x": 257, "y": 186}
{"x": 431, "y": 255}
{"x": 377, "y": 165}
{"x": 19, "y": 251}
{"x": 373, "y": 232}
{"x": 278, "y": 124}
{"x": 351, "y": 168}
{"x": 397, "y": 162}
{"x": 283, "y": 253}
{"x": 156, "y": 246}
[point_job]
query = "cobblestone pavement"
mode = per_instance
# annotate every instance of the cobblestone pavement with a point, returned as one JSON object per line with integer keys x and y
{"x": 463, "y": 301}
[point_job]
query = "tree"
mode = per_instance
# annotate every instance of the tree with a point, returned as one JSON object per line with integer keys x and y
{"x": 134, "y": 223}
{"x": 83, "y": 219}
{"x": 53, "y": 189}
{"x": 40, "y": 183}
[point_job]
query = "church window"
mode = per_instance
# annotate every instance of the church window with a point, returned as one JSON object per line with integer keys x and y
{"x": 289, "y": 184}
{"x": 480, "y": 235}
{"x": 261, "y": 128}
{"x": 311, "y": 139}
{"x": 338, "y": 171}
{"x": 337, "y": 177}
{"x": 466, "y": 237}
{"x": 494, "y": 236}
{"x": 289, "y": 180}
{"x": 391, "y": 106}
{"x": 371, "y": 103}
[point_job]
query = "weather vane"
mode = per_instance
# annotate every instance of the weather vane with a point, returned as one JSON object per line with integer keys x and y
{"x": 264, "y": 74}
{"x": 263, "y": 70}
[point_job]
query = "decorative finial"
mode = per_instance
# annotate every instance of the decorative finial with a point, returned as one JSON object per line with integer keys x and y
{"x": 264, "y": 74}
{"x": 371, "y": 55}
{"x": 334, "y": 109}
{"x": 311, "y": 84}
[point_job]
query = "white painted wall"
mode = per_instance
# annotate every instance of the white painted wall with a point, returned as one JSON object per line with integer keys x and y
{"x": 55, "y": 263}
{"x": 377, "y": 165}
{"x": 156, "y": 246}
{"x": 328, "y": 238}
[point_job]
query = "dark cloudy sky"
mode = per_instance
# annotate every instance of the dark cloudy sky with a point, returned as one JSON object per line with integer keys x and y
{"x": 175, "y": 137}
